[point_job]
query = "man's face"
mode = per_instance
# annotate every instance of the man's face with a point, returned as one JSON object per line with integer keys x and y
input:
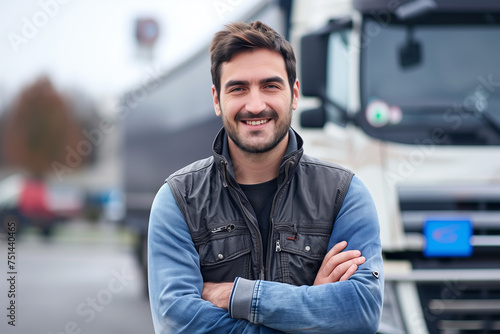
{"x": 255, "y": 100}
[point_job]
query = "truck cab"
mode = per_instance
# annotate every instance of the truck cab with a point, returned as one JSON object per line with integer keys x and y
{"x": 407, "y": 95}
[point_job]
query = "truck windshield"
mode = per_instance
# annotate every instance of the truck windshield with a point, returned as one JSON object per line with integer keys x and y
{"x": 439, "y": 76}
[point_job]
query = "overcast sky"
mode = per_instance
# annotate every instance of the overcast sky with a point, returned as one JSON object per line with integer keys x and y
{"x": 90, "y": 45}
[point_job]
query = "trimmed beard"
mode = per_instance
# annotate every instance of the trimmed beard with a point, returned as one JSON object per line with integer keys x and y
{"x": 280, "y": 131}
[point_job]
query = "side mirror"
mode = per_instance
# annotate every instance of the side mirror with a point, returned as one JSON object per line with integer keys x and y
{"x": 313, "y": 58}
{"x": 313, "y": 55}
{"x": 313, "y": 118}
{"x": 314, "y": 61}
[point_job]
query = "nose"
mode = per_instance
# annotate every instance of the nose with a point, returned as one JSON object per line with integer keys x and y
{"x": 256, "y": 102}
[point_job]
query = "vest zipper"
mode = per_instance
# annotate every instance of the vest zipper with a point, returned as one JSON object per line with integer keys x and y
{"x": 271, "y": 228}
{"x": 259, "y": 250}
{"x": 258, "y": 239}
{"x": 216, "y": 230}
{"x": 295, "y": 234}
{"x": 226, "y": 228}
{"x": 309, "y": 229}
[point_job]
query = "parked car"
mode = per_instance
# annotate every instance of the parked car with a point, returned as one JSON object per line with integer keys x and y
{"x": 32, "y": 202}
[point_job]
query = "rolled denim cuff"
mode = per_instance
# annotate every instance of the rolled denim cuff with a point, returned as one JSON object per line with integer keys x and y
{"x": 240, "y": 301}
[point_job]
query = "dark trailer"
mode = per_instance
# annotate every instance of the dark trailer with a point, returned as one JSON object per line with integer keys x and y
{"x": 172, "y": 123}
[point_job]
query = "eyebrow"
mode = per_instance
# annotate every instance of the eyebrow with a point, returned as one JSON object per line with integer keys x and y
{"x": 231, "y": 83}
{"x": 272, "y": 79}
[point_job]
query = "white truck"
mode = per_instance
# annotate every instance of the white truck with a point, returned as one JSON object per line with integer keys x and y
{"x": 407, "y": 95}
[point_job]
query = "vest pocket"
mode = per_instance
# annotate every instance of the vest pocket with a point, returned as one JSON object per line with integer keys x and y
{"x": 301, "y": 253}
{"x": 224, "y": 259}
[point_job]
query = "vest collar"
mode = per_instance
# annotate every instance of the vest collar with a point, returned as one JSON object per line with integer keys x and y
{"x": 288, "y": 164}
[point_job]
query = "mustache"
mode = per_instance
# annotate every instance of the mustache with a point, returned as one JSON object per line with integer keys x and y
{"x": 263, "y": 114}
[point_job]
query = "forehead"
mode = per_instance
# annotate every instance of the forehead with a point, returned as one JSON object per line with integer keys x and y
{"x": 253, "y": 65}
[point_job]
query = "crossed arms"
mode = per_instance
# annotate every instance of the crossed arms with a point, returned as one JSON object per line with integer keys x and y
{"x": 337, "y": 266}
{"x": 346, "y": 296}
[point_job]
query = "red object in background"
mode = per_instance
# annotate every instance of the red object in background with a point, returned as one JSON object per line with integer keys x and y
{"x": 33, "y": 202}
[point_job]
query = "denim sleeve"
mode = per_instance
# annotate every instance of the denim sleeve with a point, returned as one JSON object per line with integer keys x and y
{"x": 175, "y": 281}
{"x": 352, "y": 306}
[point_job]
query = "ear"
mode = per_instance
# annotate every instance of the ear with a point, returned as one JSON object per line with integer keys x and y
{"x": 295, "y": 97}
{"x": 216, "y": 101}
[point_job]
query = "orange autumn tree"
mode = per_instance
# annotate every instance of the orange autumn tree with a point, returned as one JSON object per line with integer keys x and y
{"x": 39, "y": 126}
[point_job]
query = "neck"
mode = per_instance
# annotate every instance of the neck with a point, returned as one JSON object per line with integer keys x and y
{"x": 254, "y": 168}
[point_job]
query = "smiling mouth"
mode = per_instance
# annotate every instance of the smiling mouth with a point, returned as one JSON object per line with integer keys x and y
{"x": 262, "y": 121}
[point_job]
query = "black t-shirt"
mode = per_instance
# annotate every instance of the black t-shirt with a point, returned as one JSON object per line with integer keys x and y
{"x": 261, "y": 198}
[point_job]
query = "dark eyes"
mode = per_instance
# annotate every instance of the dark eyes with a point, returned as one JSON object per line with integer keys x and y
{"x": 241, "y": 89}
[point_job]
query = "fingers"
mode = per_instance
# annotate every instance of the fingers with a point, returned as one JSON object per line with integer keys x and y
{"x": 334, "y": 251}
{"x": 345, "y": 267}
{"x": 335, "y": 257}
{"x": 339, "y": 247}
{"x": 352, "y": 269}
{"x": 338, "y": 265}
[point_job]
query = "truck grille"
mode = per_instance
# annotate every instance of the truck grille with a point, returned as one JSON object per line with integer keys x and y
{"x": 456, "y": 306}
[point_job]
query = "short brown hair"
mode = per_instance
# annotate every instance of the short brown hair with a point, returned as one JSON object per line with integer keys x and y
{"x": 244, "y": 37}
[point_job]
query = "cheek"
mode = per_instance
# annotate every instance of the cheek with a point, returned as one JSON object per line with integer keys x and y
{"x": 230, "y": 108}
{"x": 283, "y": 107}
{"x": 284, "y": 101}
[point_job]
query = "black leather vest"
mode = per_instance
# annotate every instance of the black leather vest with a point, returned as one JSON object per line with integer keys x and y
{"x": 224, "y": 227}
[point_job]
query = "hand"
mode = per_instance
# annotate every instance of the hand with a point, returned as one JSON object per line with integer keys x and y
{"x": 338, "y": 266}
{"x": 217, "y": 293}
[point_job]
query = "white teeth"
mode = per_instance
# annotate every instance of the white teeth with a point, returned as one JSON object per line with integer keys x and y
{"x": 257, "y": 122}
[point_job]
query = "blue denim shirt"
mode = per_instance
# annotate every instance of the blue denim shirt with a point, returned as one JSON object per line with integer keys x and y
{"x": 176, "y": 283}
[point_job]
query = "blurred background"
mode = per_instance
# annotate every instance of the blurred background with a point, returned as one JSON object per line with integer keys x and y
{"x": 72, "y": 75}
{"x": 101, "y": 100}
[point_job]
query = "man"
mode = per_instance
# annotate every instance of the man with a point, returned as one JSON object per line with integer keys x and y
{"x": 260, "y": 238}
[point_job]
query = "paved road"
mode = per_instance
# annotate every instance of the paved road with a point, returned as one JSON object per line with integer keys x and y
{"x": 75, "y": 284}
